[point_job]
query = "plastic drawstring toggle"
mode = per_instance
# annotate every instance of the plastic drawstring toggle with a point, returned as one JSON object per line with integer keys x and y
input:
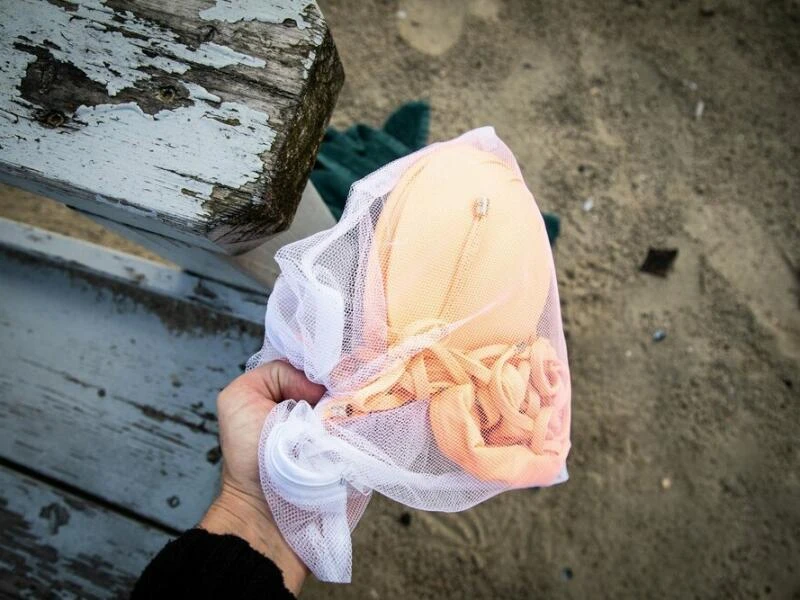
{"x": 302, "y": 471}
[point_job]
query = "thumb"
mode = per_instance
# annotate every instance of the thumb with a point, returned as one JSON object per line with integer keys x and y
{"x": 281, "y": 381}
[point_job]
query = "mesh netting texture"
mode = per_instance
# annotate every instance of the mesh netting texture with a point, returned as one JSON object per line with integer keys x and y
{"x": 430, "y": 313}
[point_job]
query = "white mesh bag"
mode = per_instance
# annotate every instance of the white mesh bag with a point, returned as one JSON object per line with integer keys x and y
{"x": 430, "y": 313}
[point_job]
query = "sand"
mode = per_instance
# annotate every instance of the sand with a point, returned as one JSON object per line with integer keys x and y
{"x": 680, "y": 121}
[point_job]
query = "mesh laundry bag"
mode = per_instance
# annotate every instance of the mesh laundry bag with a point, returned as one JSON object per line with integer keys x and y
{"x": 430, "y": 313}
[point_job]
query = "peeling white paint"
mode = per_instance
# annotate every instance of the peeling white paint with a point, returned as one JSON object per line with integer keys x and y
{"x": 200, "y": 93}
{"x": 92, "y": 41}
{"x": 308, "y": 62}
{"x": 126, "y": 153}
{"x": 116, "y": 151}
{"x": 273, "y": 11}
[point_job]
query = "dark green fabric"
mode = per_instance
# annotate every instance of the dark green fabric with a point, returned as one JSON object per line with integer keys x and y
{"x": 347, "y": 156}
{"x": 552, "y": 223}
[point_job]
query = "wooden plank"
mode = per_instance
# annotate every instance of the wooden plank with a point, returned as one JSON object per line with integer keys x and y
{"x": 192, "y": 120}
{"x": 55, "y": 544}
{"x": 91, "y": 259}
{"x": 312, "y": 217}
{"x": 120, "y": 267}
{"x": 255, "y": 269}
{"x": 110, "y": 387}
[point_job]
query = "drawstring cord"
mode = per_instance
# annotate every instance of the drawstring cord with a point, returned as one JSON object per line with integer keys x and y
{"x": 514, "y": 386}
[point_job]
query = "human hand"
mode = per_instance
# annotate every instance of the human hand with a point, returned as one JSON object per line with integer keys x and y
{"x": 241, "y": 509}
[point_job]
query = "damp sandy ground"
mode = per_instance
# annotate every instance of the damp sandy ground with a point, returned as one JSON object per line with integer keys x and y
{"x": 676, "y": 123}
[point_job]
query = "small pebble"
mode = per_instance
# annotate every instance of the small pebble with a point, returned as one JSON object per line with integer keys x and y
{"x": 588, "y": 204}
{"x": 401, "y": 14}
{"x": 173, "y": 501}
{"x": 666, "y": 483}
{"x": 659, "y": 261}
{"x": 707, "y": 10}
{"x": 628, "y": 353}
{"x": 659, "y": 335}
{"x": 698, "y": 109}
{"x": 214, "y": 455}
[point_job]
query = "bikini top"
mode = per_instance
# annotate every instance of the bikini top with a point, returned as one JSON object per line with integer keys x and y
{"x": 430, "y": 312}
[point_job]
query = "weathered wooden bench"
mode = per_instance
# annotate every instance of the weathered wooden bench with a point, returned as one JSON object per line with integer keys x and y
{"x": 189, "y": 126}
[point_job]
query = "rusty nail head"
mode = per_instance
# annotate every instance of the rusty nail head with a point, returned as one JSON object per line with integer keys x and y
{"x": 53, "y": 118}
{"x": 167, "y": 93}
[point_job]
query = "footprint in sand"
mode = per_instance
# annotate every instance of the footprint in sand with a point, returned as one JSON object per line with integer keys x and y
{"x": 473, "y": 531}
{"x": 743, "y": 252}
{"x": 434, "y": 27}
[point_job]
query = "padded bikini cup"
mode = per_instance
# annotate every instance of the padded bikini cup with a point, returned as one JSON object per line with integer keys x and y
{"x": 460, "y": 237}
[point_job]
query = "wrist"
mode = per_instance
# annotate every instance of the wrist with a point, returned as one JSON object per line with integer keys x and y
{"x": 237, "y": 513}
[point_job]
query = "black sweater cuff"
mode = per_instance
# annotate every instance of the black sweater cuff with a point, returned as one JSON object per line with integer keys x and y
{"x": 200, "y": 564}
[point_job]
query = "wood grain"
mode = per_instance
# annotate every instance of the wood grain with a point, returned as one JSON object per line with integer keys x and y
{"x": 255, "y": 269}
{"x": 57, "y": 545}
{"x": 162, "y": 282}
{"x": 186, "y": 119}
{"x": 110, "y": 387}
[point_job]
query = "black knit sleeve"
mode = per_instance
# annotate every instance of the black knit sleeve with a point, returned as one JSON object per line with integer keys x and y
{"x": 200, "y": 564}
